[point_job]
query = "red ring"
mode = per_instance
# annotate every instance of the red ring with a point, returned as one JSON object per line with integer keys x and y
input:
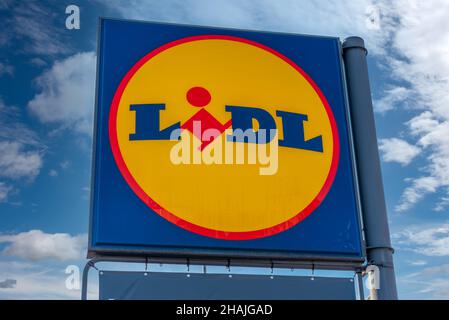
{"x": 226, "y": 235}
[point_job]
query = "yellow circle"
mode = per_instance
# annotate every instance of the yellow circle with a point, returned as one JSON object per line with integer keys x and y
{"x": 225, "y": 197}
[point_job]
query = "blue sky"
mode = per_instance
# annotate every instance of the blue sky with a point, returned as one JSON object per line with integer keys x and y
{"x": 47, "y": 76}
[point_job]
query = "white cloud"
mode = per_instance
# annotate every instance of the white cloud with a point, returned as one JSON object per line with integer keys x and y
{"x": 4, "y": 191}
{"x": 443, "y": 202}
{"x": 418, "y": 263}
{"x": 433, "y": 136}
{"x": 16, "y": 163}
{"x": 36, "y": 245}
{"x": 391, "y": 98}
{"x": 428, "y": 283}
{"x": 432, "y": 240}
{"x": 66, "y": 93}
{"x": 21, "y": 151}
{"x": 421, "y": 44}
{"x": 6, "y": 69}
{"x": 398, "y": 150}
{"x": 12, "y": 129}
{"x": 64, "y": 164}
{"x": 423, "y": 39}
{"x": 419, "y": 188}
{"x": 39, "y": 281}
{"x": 38, "y": 62}
{"x": 53, "y": 173}
{"x": 34, "y": 25}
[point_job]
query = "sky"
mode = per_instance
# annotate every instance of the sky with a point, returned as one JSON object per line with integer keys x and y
{"x": 47, "y": 85}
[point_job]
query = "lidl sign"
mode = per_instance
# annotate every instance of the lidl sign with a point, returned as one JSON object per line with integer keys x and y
{"x": 221, "y": 142}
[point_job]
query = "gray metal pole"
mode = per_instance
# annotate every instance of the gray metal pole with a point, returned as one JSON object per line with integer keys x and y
{"x": 85, "y": 283}
{"x": 374, "y": 211}
{"x": 359, "y": 277}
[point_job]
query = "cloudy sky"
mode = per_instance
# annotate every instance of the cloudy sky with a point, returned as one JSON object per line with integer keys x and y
{"x": 47, "y": 80}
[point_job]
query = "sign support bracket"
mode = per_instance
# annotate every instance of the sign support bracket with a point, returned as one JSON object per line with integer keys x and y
{"x": 226, "y": 263}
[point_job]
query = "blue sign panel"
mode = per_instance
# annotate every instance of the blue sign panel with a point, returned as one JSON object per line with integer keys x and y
{"x": 221, "y": 142}
{"x": 131, "y": 285}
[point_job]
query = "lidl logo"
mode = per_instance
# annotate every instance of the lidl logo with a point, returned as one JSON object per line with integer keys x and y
{"x": 224, "y": 137}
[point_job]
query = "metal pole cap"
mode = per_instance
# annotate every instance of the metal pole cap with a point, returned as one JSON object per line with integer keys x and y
{"x": 354, "y": 42}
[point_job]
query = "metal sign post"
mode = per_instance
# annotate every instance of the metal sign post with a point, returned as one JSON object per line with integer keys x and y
{"x": 379, "y": 250}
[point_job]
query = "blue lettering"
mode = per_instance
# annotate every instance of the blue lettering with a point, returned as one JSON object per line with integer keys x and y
{"x": 242, "y": 119}
{"x": 147, "y": 123}
{"x": 293, "y": 127}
